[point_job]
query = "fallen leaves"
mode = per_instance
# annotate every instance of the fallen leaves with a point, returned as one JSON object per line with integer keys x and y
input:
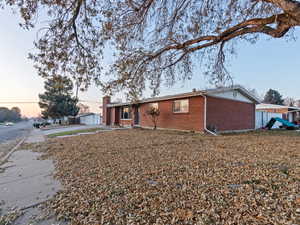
{"x": 160, "y": 177}
{"x": 11, "y": 217}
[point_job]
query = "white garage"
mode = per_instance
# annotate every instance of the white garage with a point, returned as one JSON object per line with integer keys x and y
{"x": 90, "y": 119}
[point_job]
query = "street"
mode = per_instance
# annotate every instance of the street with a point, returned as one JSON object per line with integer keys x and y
{"x": 9, "y": 133}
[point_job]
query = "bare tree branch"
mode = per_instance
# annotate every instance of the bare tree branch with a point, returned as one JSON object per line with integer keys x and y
{"x": 152, "y": 41}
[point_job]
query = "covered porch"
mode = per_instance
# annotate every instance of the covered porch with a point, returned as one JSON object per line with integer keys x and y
{"x": 124, "y": 115}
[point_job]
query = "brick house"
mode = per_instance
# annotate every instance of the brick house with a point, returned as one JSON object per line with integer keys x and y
{"x": 226, "y": 109}
{"x": 289, "y": 113}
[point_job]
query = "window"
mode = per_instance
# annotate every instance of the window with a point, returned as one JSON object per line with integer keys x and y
{"x": 125, "y": 113}
{"x": 181, "y": 106}
{"x": 153, "y": 105}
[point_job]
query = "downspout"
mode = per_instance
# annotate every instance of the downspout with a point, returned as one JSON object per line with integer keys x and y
{"x": 205, "y": 116}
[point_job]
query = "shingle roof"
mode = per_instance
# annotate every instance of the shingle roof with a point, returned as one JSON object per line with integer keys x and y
{"x": 273, "y": 106}
{"x": 192, "y": 94}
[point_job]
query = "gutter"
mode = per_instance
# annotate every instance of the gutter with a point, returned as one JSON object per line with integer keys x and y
{"x": 205, "y": 115}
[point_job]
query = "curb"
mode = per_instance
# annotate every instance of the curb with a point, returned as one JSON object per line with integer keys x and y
{"x": 12, "y": 151}
{"x": 34, "y": 205}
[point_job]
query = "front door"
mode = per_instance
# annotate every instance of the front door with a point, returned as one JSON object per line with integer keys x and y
{"x": 136, "y": 115}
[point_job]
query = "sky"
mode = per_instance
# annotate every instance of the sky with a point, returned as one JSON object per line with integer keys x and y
{"x": 270, "y": 63}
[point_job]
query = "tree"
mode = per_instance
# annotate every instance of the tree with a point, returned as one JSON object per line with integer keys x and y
{"x": 57, "y": 100}
{"x": 12, "y": 115}
{"x": 4, "y": 114}
{"x": 153, "y": 41}
{"x": 15, "y": 114}
{"x": 83, "y": 108}
{"x": 273, "y": 97}
{"x": 253, "y": 91}
{"x": 153, "y": 113}
{"x": 289, "y": 101}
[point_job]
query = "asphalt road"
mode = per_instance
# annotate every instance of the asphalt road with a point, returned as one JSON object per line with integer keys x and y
{"x": 16, "y": 131}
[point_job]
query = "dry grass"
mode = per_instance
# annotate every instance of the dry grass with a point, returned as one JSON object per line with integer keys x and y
{"x": 159, "y": 177}
{"x": 74, "y": 132}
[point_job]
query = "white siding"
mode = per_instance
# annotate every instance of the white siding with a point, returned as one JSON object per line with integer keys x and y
{"x": 232, "y": 95}
{"x": 90, "y": 120}
{"x": 262, "y": 119}
{"x": 291, "y": 117}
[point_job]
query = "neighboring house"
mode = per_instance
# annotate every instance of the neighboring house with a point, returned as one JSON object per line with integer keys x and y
{"x": 263, "y": 118}
{"x": 89, "y": 119}
{"x": 226, "y": 109}
{"x": 289, "y": 113}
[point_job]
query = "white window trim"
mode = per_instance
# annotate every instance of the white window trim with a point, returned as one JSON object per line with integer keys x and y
{"x": 129, "y": 112}
{"x": 179, "y": 100}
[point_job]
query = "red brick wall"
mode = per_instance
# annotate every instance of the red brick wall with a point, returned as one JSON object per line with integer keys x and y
{"x": 193, "y": 120}
{"x": 227, "y": 114}
{"x": 112, "y": 116}
{"x": 127, "y": 122}
{"x": 106, "y": 111}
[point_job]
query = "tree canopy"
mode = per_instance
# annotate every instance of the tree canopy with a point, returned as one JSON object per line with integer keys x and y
{"x": 153, "y": 41}
{"x": 83, "y": 108}
{"x": 57, "y": 101}
{"x": 289, "y": 101}
{"x": 273, "y": 97}
{"x": 10, "y": 115}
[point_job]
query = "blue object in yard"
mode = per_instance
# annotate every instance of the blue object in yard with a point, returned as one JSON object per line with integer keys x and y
{"x": 284, "y": 122}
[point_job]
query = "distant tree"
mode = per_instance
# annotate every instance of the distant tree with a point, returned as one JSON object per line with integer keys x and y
{"x": 254, "y": 92}
{"x": 11, "y": 115}
{"x": 16, "y": 114}
{"x": 57, "y": 100}
{"x": 273, "y": 97}
{"x": 289, "y": 101}
{"x": 83, "y": 108}
{"x": 3, "y": 114}
{"x": 153, "y": 113}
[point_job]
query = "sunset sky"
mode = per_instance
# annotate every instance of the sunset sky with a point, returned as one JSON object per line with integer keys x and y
{"x": 271, "y": 63}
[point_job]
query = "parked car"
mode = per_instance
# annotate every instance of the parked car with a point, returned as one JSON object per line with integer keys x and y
{"x": 8, "y": 124}
{"x": 41, "y": 124}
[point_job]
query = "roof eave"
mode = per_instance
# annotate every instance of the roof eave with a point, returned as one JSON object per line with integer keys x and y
{"x": 239, "y": 88}
{"x": 156, "y": 99}
{"x": 242, "y": 90}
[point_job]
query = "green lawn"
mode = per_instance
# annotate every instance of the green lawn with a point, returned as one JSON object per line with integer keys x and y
{"x": 73, "y": 132}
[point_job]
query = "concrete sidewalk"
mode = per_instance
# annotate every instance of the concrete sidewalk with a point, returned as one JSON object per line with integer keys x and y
{"x": 26, "y": 182}
{"x": 35, "y": 136}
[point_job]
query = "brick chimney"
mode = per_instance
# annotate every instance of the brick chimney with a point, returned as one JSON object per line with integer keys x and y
{"x": 105, "y": 111}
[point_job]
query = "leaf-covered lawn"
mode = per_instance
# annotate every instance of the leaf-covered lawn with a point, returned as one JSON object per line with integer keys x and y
{"x": 160, "y": 177}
